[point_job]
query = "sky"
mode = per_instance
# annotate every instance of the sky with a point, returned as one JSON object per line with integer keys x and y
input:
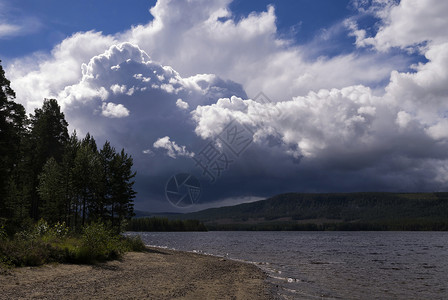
{"x": 249, "y": 98}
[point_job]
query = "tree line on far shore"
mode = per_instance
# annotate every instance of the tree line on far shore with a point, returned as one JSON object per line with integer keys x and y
{"x": 47, "y": 173}
{"x": 164, "y": 224}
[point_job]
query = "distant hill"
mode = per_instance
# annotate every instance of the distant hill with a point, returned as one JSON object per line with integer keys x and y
{"x": 333, "y": 211}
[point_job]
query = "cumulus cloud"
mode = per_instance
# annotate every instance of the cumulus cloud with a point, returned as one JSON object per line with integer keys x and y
{"x": 124, "y": 71}
{"x": 118, "y": 89}
{"x": 352, "y": 114}
{"x": 257, "y": 60}
{"x": 100, "y": 103}
{"x": 173, "y": 150}
{"x": 439, "y": 131}
{"x": 45, "y": 76}
{"x": 203, "y": 41}
{"x": 182, "y": 104}
{"x": 403, "y": 119}
{"x": 399, "y": 131}
{"x": 340, "y": 120}
{"x": 112, "y": 110}
{"x": 407, "y": 24}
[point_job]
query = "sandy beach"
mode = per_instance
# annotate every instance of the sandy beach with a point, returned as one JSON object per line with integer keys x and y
{"x": 154, "y": 274}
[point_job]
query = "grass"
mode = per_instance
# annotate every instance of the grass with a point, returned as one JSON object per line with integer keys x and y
{"x": 46, "y": 244}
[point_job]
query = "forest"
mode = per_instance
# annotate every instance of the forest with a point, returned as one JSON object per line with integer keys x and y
{"x": 165, "y": 224}
{"x": 47, "y": 173}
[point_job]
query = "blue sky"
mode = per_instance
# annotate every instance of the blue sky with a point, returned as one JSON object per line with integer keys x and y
{"x": 300, "y": 20}
{"x": 357, "y": 89}
{"x": 52, "y": 21}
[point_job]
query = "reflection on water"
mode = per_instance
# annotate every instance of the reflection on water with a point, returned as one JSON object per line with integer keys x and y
{"x": 332, "y": 265}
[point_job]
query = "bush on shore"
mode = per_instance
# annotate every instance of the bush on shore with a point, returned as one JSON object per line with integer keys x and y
{"x": 45, "y": 244}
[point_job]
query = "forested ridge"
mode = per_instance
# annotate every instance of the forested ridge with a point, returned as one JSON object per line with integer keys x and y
{"x": 47, "y": 173}
{"x": 331, "y": 211}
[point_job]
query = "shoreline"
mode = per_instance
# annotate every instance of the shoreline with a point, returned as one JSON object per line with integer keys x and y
{"x": 157, "y": 273}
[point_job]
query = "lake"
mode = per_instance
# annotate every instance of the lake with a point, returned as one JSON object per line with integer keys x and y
{"x": 331, "y": 265}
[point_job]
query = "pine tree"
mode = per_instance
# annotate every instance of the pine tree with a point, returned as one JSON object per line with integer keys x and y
{"x": 51, "y": 191}
{"x": 67, "y": 165}
{"x": 12, "y": 127}
{"x": 123, "y": 193}
{"x": 107, "y": 154}
{"x": 87, "y": 176}
{"x": 47, "y": 139}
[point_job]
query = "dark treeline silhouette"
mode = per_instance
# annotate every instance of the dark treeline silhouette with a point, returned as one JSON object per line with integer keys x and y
{"x": 402, "y": 225}
{"x": 164, "y": 224}
{"x": 47, "y": 173}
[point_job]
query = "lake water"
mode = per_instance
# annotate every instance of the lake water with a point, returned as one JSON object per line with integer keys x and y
{"x": 331, "y": 265}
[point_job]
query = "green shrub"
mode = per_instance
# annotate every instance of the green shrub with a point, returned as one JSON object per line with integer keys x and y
{"x": 58, "y": 230}
{"x": 99, "y": 243}
{"x": 41, "y": 227}
{"x": 25, "y": 235}
{"x": 43, "y": 244}
{"x": 134, "y": 243}
{"x": 5, "y": 261}
{"x": 28, "y": 253}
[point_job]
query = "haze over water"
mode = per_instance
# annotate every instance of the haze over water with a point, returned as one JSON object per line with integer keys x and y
{"x": 332, "y": 265}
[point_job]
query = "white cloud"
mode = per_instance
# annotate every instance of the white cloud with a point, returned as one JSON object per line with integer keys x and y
{"x": 118, "y": 89}
{"x": 191, "y": 37}
{"x": 202, "y": 43}
{"x": 173, "y": 150}
{"x": 424, "y": 92}
{"x": 9, "y": 30}
{"x": 330, "y": 119}
{"x": 112, "y": 110}
{"x": 26, "y": 26}
{"x": 439, "y": 131}
{"x": 98, "y": 78}
{"x": 337, "y": 123}
{"x": 407, "y": 24}
{"x": 182, "y": 104}
{"x": 148, "y": 152}
{"x": 45, "y": 76}
{"x": 403, "y": 119}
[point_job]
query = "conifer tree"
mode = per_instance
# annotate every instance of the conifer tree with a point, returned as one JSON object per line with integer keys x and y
{"x": 48, "y": 137}
{"x": 51, "y": 191}
{"x": 44, "y": 172}
{"x": 68, "y": 184}
{"x": 122, "y": 188}
{"x": 12, "y": 127}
